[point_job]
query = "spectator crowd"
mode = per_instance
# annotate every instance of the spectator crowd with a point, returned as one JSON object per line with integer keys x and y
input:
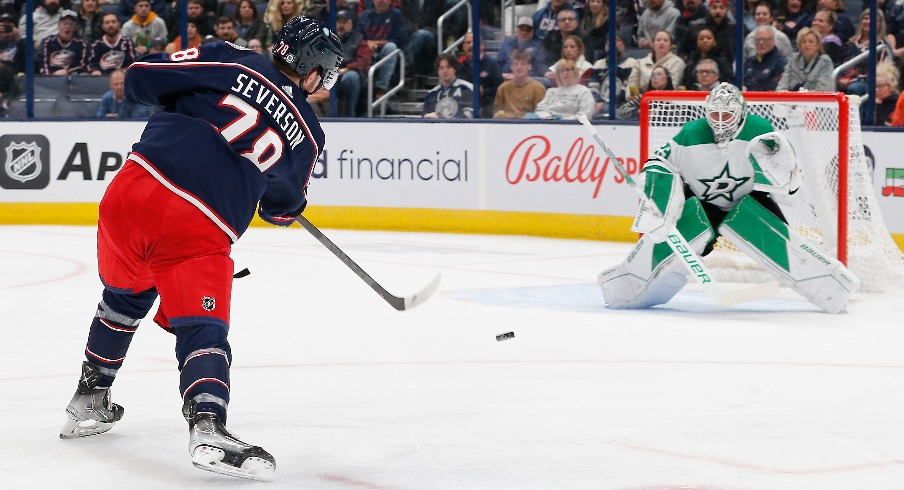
{"x": 554, "y": 65}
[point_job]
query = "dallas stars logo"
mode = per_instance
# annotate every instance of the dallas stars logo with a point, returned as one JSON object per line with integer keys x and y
{"x": 723, "y": 185}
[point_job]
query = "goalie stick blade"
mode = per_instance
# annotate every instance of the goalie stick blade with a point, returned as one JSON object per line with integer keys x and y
{"x": 749, "y": 292}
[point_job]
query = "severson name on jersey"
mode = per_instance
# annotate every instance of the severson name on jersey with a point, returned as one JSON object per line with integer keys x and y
{"x": 234, "y": 131}
{"x": 254, "y": 91}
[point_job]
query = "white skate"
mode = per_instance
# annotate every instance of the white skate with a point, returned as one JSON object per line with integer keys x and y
{"x": 213, "y": 448}
{"x": 90, "y": 412}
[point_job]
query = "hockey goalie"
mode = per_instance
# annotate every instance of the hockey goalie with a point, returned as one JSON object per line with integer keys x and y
{"x": 723, "y": 175}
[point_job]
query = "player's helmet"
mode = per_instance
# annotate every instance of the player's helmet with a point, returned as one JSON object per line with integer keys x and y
{"x": 305, "y": 44}
{"x": 725, "y": 112}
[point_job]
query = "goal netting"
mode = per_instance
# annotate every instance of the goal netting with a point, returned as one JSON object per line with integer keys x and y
{"x": 838, "y": 209}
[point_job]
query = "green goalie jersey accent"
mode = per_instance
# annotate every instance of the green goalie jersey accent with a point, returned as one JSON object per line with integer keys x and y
{"x": 719, "y": 176}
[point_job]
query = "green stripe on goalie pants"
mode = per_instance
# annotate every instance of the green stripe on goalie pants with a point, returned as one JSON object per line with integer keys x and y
{"x": 692, "y": 224}
{"x": 760, "y": 228}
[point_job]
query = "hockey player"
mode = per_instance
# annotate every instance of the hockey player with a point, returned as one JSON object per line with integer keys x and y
{"x": 723, "y": 174}
{"x": 235, "y": 133}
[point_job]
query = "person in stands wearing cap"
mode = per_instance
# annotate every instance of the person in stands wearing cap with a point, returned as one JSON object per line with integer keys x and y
{"x": 63, "y": 53}
{"x": 524, "y": 40}
{"x": 144, "y": 26}
{"x": 716, "y": 21}
{"x": 157, "y": 45}
{"x": 46, "y": 20}
{"x": 356, "y": 56}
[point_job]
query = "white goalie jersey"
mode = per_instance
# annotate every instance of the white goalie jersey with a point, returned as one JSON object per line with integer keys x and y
{"x": 719, "y": 176}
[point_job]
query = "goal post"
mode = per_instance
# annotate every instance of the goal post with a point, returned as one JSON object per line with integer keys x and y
{"x": 838, "y": 209}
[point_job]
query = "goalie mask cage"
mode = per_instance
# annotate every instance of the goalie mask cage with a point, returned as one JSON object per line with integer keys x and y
{"x": 837, "y": 209}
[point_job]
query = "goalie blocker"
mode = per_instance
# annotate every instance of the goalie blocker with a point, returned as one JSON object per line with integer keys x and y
{"x": 651, "y": 274}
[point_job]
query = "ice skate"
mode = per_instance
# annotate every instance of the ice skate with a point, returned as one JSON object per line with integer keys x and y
{"x": 213, "y": 448}
{"x": 90, "y": 412}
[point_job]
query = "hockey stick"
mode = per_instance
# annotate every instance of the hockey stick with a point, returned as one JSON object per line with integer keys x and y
{"x": 682, "y": 248}
{"x": 397, "y": 302}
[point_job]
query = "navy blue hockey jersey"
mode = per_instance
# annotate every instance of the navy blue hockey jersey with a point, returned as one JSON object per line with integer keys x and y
{"x": 234, "y": 131}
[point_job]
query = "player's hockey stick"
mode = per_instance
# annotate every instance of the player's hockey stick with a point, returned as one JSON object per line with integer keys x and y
{"x": 397, "y": 302}
{"x": 694, "y": 264}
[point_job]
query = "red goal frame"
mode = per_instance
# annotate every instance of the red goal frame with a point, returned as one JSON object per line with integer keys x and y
{"x": 843, "y": 140}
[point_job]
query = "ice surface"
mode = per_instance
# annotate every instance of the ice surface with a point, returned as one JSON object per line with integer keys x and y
{"x": 348, "y": 393}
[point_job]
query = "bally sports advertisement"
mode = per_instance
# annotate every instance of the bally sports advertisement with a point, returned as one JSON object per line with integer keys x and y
{"x": 457, "y": 174}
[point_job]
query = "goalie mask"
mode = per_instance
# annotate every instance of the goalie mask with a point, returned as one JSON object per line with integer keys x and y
{"x": 725, "y": 112}
{"x": 306, "y": 44}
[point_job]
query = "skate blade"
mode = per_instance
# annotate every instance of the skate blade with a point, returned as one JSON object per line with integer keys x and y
{"x": 211, "y": 459}
{"x": 73, "y": 429}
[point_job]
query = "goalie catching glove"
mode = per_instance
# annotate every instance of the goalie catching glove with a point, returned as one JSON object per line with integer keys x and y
{"x": 661, "y": 209}
{"x": 774, "y": 164}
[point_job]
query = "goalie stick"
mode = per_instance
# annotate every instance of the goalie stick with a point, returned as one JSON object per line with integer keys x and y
{"x": 680, "y": 246}
{"x": 397, "y": 302}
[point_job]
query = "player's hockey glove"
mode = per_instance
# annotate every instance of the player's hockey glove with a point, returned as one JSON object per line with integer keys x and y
{"x": 658, "y": 213}
{"x": 285, "y": 219}
{"x": 774, "y": 164}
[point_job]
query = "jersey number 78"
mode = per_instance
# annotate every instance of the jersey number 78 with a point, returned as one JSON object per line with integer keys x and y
{"x": 267, "y": 148}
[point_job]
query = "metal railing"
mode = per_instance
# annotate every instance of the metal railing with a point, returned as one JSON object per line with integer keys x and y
{"x": 856, "y": 60}
{"x": 440, "y": 39}
{"x": 371, "y": 103}
{"x": 513, "y": 24}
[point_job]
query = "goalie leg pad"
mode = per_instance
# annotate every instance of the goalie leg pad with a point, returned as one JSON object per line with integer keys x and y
{"x": 651, "y": 274}
{"x": 799, "y": 265}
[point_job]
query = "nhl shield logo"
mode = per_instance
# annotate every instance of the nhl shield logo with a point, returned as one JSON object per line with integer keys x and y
{"x": 26, "y": 161}
{"x": 23, "y": 161}
{"x": 208, "y": 303}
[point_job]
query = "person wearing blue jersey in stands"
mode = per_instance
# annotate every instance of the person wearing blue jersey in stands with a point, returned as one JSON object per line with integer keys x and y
{"x": 234, "y": 134}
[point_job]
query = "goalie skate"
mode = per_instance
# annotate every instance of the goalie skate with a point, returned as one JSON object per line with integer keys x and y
{"x": 90, "y": 412}
{"x": 213, "y": 448}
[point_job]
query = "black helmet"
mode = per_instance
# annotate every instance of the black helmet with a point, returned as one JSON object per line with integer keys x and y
{"x": 305, "y": 43}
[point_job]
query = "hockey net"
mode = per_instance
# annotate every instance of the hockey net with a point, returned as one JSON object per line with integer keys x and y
{"x": 837, "y": 210}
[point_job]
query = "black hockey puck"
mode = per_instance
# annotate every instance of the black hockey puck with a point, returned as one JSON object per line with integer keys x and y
{"x": 505, "y": 336}
{"x": 242, "y": 273}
